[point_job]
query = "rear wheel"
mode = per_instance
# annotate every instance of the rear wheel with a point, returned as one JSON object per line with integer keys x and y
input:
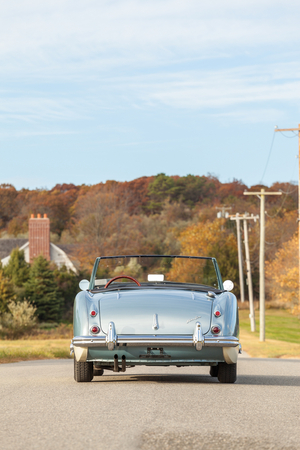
{"x": 83, "y": 371}
{"x": 214, "y": 371}
{"x": 227, "y": 373}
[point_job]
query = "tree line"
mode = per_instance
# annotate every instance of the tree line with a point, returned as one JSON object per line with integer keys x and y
{"x": 160, "y": 214}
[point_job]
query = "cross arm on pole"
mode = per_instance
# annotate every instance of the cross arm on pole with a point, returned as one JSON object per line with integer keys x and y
{"x": 287, "y": 129}
{"x": 244, "y": 217}
{"x": 262, "y": 193}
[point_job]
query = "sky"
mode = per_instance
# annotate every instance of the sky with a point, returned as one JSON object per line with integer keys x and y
{"x": 100, "y": 90}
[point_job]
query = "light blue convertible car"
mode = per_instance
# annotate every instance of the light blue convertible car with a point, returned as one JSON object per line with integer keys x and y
{"x": 155, "y": 311}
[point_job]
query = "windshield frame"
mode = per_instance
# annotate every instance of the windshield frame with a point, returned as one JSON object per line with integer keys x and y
{"x": 214, "y": 261}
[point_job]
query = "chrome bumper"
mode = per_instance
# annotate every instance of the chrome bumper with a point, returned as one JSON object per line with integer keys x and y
{"x": 111, "y": 340}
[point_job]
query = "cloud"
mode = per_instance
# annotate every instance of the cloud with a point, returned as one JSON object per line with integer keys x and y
{"x": 69, "y": 38}
{"x": 69, "y": 60}
{"x": 29, "y": 134}
{"x": 224, "y": 92}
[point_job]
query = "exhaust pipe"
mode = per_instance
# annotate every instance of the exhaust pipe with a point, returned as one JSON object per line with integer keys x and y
{"x": 116, "y": 364}
{"x": 123, "y": 363}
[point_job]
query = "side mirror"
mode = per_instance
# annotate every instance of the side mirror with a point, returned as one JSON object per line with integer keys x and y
{"x": 84, "y": 285}
{"x": 228, "y": 285}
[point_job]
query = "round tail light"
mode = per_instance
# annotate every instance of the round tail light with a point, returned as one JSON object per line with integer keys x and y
{"x": 217, "y": 313}
{"x": 216, "y": 329}
{"x": 93, "y": 313}
{"x": 95, "y": 329}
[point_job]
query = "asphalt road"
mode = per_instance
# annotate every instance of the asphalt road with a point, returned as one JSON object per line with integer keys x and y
{"x": 42, "y": 407}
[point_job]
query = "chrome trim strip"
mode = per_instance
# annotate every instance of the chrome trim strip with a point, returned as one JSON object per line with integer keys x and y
{"x": 152, "y": 340}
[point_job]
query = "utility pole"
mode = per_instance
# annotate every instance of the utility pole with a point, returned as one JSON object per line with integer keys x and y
{"x": 296, "y": 129}
{"x": 237, "y": 218}
{"x": 248, "y": 265}
{"x": 261, "y": 195}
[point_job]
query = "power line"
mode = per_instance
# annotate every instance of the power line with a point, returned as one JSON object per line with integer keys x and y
{"x": 289, "y": 192}
{"x": 270, "y": 151}
{"x": 283, "y": 200}
{"x": 289, "y": 137}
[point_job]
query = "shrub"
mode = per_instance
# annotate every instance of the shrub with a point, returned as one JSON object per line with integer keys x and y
{"x": 19, "y": 320}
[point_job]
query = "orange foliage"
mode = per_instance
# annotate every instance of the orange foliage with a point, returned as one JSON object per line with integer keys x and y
{"x": 8, "y": 203}
{"x": 282, "y": 275}
{"x": 208, "y": 239}
{"x": 234, "y": 189}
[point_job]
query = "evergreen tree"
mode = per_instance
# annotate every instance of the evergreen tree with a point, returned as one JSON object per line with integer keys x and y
{"x": 41, "y": 289}
{"x": 17, "y": 268}
{"x": 7, "y": 292}
{"x": 67, "y": 283}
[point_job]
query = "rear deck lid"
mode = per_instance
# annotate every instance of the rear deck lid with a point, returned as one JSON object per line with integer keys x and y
{"x": 139, "y": 311}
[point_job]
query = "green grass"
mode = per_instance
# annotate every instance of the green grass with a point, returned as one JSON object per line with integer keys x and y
{"x": 280, "y": 325}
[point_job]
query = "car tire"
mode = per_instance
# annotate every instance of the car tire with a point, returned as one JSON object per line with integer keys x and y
{"x": 83, "y": 371}
{"x": 213, "y": 371}
{"x": 227, "y": 373}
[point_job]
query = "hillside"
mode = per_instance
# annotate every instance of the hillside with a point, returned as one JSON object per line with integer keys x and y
{"x": 159, "y": 214}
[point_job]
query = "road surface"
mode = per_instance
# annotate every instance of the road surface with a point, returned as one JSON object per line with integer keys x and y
{"x": 42, "y": 407}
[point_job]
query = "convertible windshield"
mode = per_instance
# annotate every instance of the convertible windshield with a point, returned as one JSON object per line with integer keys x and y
{"x": 159, "y": 270}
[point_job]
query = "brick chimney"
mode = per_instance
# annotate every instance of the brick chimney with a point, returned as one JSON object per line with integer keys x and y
{"x": 39, "y": 237}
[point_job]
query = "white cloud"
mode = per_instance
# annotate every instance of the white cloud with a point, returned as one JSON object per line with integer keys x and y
{"x": 113, "y": 54}
{"x": 258, "y": 87}
{"x": 55, "y": 38}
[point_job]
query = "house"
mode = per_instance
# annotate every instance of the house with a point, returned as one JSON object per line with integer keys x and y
{"x": 38, "y": 244}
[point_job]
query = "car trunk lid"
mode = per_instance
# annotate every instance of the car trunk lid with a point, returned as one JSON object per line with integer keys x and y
{"x": 155, "y": 311}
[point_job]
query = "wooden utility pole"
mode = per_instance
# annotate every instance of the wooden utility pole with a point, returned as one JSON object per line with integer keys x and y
{"x": 237, "y": 218}
{"x": 246, "y": 217}
{"x": 248, "y": 265}
{"x": 298, "y": 130}
{"x": 261, "y": 195}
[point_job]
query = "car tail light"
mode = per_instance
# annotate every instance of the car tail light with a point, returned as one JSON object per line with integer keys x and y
{"x": 216, "y": 329}
{"x": 217, "y": 313}
{"x": 95, "y": 329}
{"x": 93, "y": 313}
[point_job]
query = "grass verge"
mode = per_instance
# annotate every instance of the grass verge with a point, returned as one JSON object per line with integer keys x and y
{"x": 24, "y": 350}
{"x": 282, "y": 335}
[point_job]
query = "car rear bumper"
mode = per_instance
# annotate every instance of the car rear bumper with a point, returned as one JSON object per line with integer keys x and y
{"x": 112, "y": 340}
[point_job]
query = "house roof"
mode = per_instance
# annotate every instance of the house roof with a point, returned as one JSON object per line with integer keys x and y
{"x": 7, "y": 246}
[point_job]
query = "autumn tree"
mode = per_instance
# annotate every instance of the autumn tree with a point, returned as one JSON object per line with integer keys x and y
{"x": 8, "y": 204}
{"x": 210, "y": 239}
{"x": 101, "y": 217}
{"x": 282, "y": 275}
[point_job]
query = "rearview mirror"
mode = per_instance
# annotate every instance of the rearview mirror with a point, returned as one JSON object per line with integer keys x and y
{"x": 84, "y": 285}
{"x": 228, "y": 285}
